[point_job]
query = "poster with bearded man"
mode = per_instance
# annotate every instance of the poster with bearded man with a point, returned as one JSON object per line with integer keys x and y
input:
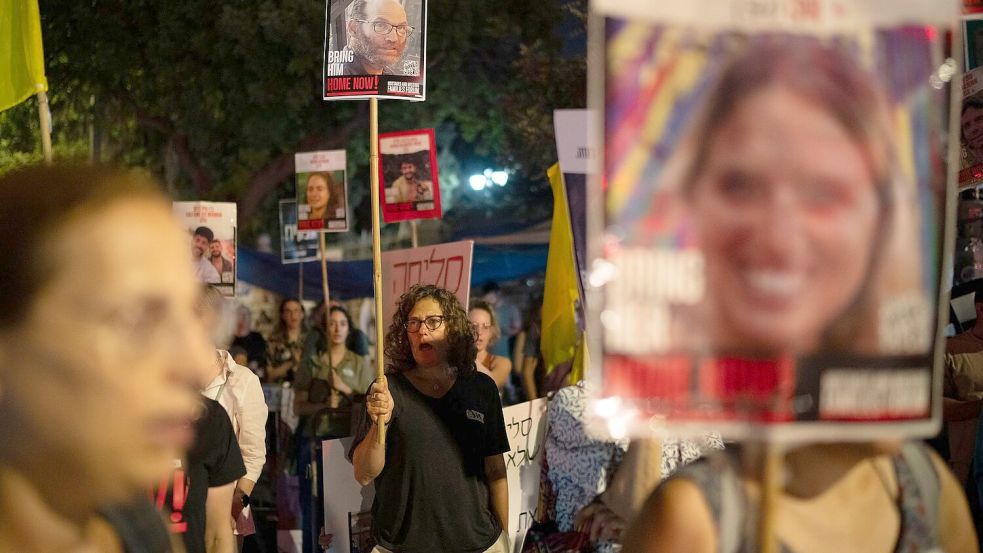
{"x": 375, "y": 48}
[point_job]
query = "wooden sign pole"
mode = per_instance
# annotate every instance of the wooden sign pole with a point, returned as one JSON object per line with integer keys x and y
{"x": 413, "y": 237}
{"x": 376, "y": 246}
{"x": 771, "y": 460}
{"x": 323, "y": 248}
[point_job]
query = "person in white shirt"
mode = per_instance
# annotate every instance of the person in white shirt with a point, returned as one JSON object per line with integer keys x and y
{"x": 239, "y": 391}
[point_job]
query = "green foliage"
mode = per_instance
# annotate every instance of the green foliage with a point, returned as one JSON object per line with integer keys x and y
{"x": 215, "y": 98}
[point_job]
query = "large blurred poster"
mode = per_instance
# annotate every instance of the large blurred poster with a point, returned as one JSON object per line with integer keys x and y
{"x": 375, "y": 48}
{"x": 772, "y": 210}
{"x": 322, "y": 191}
{"x": 211, "y": 230}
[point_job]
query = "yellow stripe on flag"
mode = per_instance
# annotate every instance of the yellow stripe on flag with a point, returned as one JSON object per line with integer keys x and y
{"x": 559, "y": 328}
{"x": 21, "y": 53}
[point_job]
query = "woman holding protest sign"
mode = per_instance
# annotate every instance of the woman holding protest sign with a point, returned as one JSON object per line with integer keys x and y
{"x": 803, "y": 218}
{"x": 100, "y": 349}
{"x": 440, "y": 477}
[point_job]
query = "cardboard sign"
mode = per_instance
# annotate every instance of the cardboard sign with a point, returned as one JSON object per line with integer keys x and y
{"x": 296, "y": 246}
{"x": 445, "y": 265}
{"x": 525, "y": 424}
{"x": 376, "y": 48}
{"x": 322, "y": 191}
{"x": 767, "y": 260}
{"x": 408, "y": 176}
{"x": 212, "y": 236}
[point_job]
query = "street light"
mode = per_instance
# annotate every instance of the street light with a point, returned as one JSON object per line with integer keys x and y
{"x": 487, "y": 178}
{"x": 477, "y": 182}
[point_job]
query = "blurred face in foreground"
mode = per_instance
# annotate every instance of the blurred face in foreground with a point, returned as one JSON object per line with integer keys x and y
{"x": 99, "y": 378}
{"x": 788, "y": 210}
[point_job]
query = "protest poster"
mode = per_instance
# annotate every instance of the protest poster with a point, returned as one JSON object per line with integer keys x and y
{"x": 971, "y": 130}
{"x": 525, "y": 425}
{"x": 296, "y": 246}
{"x": 322, "y": 191}
{"x": 767, "y": 256}
{"x": 445, "y": 265}
{"x": 211, "y": 230}
{"x": 347, "y": 504}
{"x": 973, "y": 42}
{"x": 577, "y": 154}
{"x": 408, "y": 176}
{"x": 375, "y": 48}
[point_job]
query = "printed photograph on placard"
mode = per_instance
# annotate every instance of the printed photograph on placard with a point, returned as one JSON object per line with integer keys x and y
{"x": 322, "y": 191}
{"x": 408, "y": 175}
{"x": 375, "y": 48}
{"x": 772, "y": 222}
{"x": 360, "y": 532}
{"x": 211, "y": 230}
{"x": 296, "y": 246}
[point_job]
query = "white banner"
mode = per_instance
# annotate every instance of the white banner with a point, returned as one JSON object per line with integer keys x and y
{"x": 574, "y": 140}
{"x": 525, "y": 424}
{"x": 445, "y": 265}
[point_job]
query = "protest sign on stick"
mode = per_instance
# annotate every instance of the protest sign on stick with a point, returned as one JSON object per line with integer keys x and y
{"x": 296, "y": 246}
{"x": 375, "y": 49}
{"x": 445, "y": 265}
{"x": 322, "y": 191}
{"x": 212, "y": 236}
{"x": 409, "y": 177}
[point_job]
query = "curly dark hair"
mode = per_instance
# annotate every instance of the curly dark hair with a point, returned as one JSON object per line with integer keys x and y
{"x": 461, "y": 351}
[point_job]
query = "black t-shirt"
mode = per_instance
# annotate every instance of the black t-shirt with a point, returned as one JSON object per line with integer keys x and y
{"x": 213, "y": 460}
{"x": 432, "y": 494}
{"x": 255, "y": 347}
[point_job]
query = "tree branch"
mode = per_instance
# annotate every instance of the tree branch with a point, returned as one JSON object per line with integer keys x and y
{"x": 201, "y": 181}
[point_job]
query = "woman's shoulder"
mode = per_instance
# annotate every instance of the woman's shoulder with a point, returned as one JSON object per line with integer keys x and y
{"x": 501, "y": 361}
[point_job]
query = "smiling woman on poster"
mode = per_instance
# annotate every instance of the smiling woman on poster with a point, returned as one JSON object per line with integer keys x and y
{"x": 440, "y": 482}
{"x": 800, "y": 254}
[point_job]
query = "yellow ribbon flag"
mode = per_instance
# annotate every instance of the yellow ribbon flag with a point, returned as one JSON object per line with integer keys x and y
{"x": 21, "y": 53}
{"x": 560, "y": 339}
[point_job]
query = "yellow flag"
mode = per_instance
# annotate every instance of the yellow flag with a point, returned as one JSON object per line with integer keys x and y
{"x": 559, "y": 342}
{"x": 21, "y": 54}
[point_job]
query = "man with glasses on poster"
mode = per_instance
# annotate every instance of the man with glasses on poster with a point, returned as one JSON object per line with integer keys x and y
{"x": 377, "y": 33}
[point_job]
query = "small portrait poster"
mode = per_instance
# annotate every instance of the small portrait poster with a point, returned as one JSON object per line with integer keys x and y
{"x": 375, "y": 48}
{"x": 322, "y": 191}
{"x": 408, "y": 176}
{"x": 770, "y": 216}
{"x": 971, "y": 129}
{"x": 211, "y": 230}
{"x": 296, "y": 246}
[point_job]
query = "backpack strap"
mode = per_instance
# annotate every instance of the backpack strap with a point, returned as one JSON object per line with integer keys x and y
{"x": 731, "y": 520}
{"x": 926, "y": 482}
{"x": 717, "y": 479}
